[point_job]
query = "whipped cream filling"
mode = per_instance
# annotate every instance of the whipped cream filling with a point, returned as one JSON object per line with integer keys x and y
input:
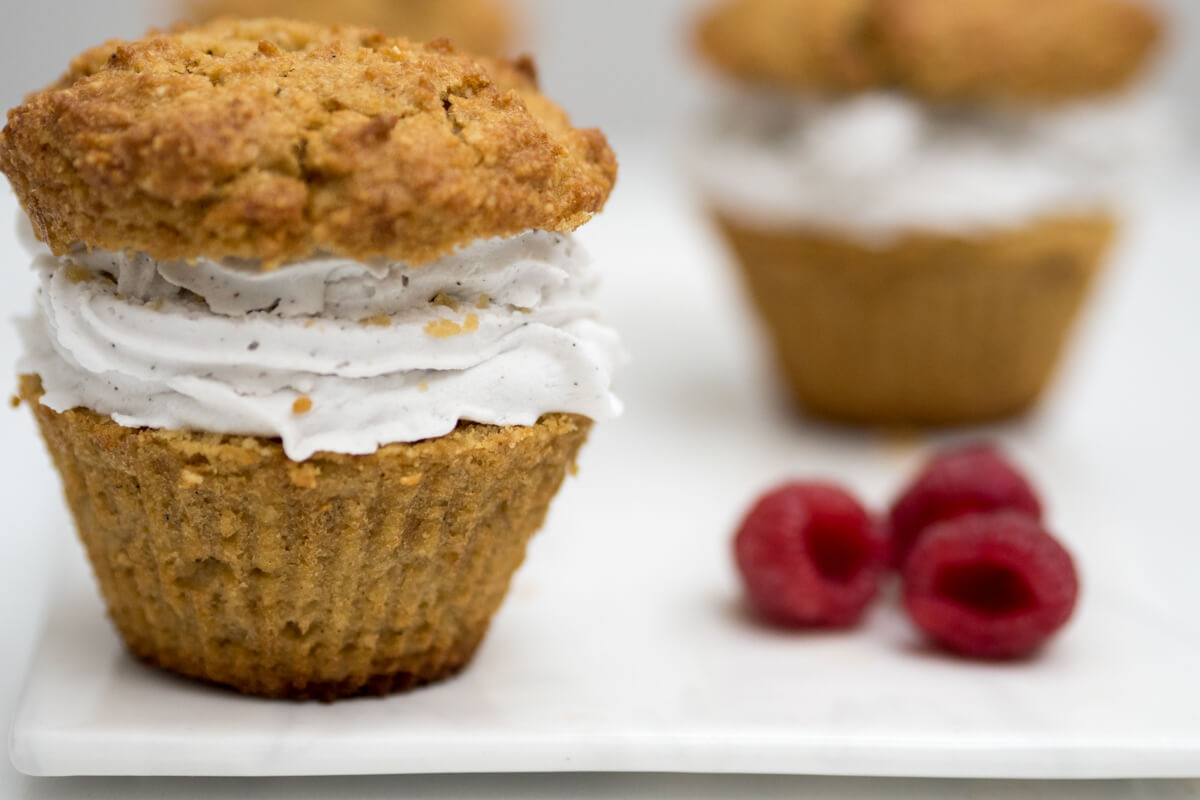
{"x": 328, "y": 354}
{"x": 880, "y": 164}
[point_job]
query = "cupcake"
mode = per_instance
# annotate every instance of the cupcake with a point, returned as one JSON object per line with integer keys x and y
{"x": 314, "y": 344}
{"x": 478, "y": 26}
{"x": 921, "y": 192}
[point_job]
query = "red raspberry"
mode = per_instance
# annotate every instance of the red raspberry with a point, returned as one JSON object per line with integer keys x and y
{"x": 992, "y": 585}
{"x": 954, "y": 483}
{"x": 810, "y": 556}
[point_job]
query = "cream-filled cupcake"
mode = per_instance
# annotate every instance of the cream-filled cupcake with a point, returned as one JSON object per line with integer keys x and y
{"x": 315, "y": 345}
{"x": 921, "y": 193}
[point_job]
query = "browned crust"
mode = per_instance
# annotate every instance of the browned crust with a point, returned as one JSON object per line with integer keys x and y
{"x": 929, "y": 330}
{"x": 1030, "y": 51}
{"x": 477, "y": 26}
{"x": 274, "y": 140}
{"x": 222, "y": 560}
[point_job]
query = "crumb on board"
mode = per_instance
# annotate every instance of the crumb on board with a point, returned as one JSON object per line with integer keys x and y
{"x": 14, "y": 402}
{"x": 303, "y": 405}
{"x": 483, "y": 302}
{"x": 900, "y": 442}
{"x": 445, "y": 300}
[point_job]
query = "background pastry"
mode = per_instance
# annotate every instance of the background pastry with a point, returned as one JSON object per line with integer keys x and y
{"x": 921, "y": 193}
{"x": 477, "y": 26}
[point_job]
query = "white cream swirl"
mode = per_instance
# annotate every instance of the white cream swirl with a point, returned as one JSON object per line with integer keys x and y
{"x": 329, "y": 354}
{"x": 878, "y": 165}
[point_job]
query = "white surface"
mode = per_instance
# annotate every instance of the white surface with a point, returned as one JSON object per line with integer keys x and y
{"x": 622, "y": 645}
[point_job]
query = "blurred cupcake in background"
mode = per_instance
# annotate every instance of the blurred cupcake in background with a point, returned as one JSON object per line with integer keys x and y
{"x": 921, "y": 192}
{"x": 477, "y": 26}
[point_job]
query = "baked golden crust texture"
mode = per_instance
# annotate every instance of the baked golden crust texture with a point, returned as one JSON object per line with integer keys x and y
{"x": 275, "y": 140}
{"x": 477, "y": 26}
{"x": 222, "y": 560}
{"x": 1022, "y": 51}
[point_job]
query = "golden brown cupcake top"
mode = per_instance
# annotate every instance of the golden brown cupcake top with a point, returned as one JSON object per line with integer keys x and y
{"x": 477, "y": 26}
{"x": 275, "y": 140}
{"x": 1031, "y": 51}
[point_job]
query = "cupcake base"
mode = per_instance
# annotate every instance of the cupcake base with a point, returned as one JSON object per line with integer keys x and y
{"x": 928, "y": 330}
{"x": 223, "y": 561}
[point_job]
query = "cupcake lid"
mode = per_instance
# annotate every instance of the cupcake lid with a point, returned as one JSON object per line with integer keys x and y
{"x": 478, "y": 26}
{"x": 274, "y": 140}
{"x": 1024, "y": 51}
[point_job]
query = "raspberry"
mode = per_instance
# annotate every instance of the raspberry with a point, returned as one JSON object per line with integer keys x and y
{"x": 991, "y": 585}
{"x": 810, "y": 556}
{"x": 956, "y": 482}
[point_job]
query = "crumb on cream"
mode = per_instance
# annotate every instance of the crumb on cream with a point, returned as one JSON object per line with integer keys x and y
{"x": 445, "y": 328}
{"x": 78, "y": 274}
{"x": 377, "y": 320}
{"x": 445, "y": 300}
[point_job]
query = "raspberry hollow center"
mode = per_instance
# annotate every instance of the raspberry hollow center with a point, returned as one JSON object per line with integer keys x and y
{"x": 839, "y": 554}
{"x": 988, "y": 589}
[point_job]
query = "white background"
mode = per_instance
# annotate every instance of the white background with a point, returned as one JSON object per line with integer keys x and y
{"x": 620, "y": 64}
